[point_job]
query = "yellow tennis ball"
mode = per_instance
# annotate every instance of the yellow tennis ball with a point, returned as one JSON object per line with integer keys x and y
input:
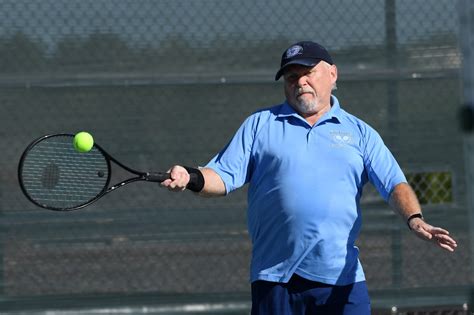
{"x": 83, "y": 141}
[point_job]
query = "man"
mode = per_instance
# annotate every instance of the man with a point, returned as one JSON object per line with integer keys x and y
{"x": 306, "y": 162}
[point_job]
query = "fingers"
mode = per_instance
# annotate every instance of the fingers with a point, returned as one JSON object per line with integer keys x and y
{"x": 437, "y": 235}
{"x": 179, "y": 178}
{"x": 438, "y": 230}
{"x": 445, "y": 242}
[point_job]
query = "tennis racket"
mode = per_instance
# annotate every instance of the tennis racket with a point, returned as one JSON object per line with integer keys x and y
{"x": 55, "y": 176}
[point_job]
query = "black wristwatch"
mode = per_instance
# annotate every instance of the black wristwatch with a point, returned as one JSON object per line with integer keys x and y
{"x": 416, "y": 215}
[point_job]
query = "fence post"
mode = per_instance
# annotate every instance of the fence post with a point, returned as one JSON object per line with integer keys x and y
{"x": 392, "y": 120}
{"x": 466, "y": 24}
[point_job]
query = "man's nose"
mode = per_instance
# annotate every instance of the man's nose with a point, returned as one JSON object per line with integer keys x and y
{"x": 302, "y": 80}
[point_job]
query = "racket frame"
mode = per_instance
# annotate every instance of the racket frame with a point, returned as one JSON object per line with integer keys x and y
{"x": 140, "y": 176}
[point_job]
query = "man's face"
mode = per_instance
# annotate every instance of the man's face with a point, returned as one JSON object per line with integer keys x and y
{"x": 308, "y": 89}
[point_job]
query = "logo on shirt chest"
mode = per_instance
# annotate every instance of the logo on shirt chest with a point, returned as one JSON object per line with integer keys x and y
{"x": 340, "y": 139}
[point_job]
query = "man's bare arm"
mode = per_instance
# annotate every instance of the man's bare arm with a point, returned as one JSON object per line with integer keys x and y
{"x": 404, "y": 201}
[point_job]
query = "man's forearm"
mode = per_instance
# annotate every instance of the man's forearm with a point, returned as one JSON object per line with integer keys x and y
{"x": 404, "y": 201}
{"x": 213, "y": 184}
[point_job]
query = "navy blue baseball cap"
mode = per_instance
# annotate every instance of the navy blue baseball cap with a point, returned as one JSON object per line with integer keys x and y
{"x": 304, "y": 53}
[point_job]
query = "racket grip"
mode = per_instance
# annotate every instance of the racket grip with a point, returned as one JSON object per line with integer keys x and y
{"x": 196, "y": 179}
{"x": 157, "y": 177}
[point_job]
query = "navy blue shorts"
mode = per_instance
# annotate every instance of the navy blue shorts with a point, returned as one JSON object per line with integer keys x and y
{"x": 300, "y": 296}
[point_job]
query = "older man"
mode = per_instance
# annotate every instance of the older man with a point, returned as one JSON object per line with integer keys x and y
{"x": 306, "y": 162}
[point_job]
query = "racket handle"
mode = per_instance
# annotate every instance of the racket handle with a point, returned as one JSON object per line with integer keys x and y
{"x": 157, "y": 177}
{"x": 196, "y": 179}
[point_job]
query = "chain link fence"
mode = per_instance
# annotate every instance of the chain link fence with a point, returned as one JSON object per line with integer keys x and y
{"x": 159, "y": 82}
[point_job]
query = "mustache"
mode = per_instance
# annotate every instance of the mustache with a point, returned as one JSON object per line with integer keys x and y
{"x": 300, "y": 91}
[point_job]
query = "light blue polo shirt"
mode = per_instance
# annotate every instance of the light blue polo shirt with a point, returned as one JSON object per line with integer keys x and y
{"x": 305, "y": 184}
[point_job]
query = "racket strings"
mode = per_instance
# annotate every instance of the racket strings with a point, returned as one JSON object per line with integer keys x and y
{"x": 56, "y": 175}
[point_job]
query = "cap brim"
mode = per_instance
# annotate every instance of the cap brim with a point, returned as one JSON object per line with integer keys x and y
{"x": 303, "y": 62}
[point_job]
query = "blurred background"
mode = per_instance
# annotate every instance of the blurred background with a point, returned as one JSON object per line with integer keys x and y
{"x": 159, "y": 82}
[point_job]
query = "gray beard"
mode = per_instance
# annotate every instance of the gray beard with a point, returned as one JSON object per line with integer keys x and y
{"x": 306, "y": 107}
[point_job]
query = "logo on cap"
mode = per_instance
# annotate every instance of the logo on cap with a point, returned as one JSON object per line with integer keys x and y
{"x": 293, "y": 51}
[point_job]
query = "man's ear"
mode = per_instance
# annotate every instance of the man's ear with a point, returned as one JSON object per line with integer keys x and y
{"x": 333, "y": 73}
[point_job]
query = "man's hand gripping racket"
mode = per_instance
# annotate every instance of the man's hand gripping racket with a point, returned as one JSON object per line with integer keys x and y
{"x": 55, "y": 176}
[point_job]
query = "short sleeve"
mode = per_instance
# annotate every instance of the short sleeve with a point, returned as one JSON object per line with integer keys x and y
{"x": 382, "y": 168}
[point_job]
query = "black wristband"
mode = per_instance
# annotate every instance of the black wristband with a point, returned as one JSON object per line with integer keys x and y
{"x": 416, "y": 215}
{"x": 196, "y": 180}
